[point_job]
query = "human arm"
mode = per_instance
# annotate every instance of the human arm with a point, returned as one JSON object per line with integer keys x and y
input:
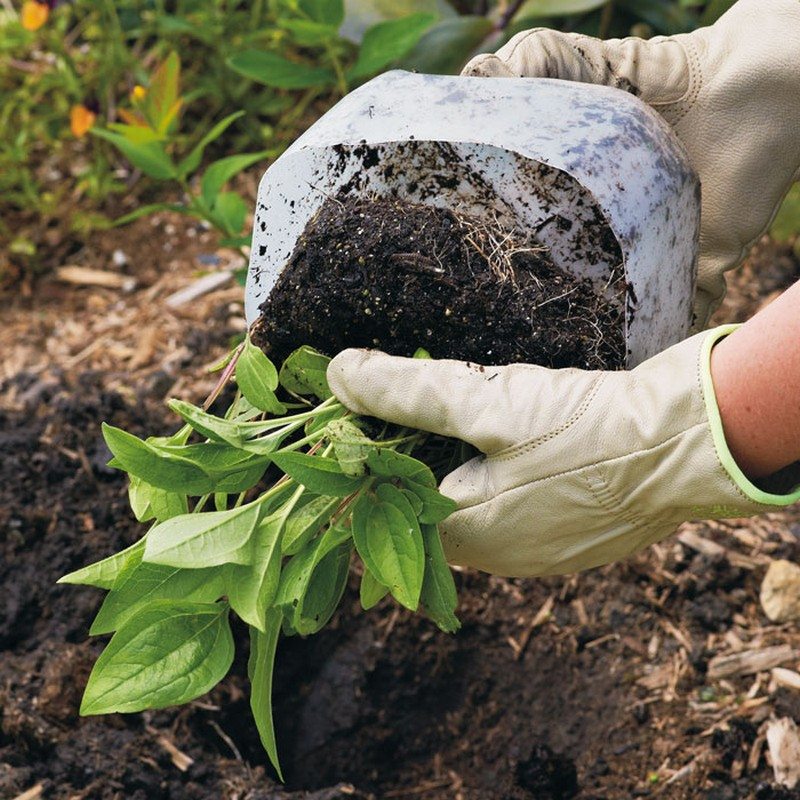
{"x": 756, "y": 374}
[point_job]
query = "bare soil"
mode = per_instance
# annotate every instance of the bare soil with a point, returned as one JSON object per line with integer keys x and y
{"x": 397, "y": 276}
{"x": 593, "y": 686}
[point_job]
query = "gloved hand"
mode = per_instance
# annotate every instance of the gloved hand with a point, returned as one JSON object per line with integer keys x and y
{"x": 580, "y": 468}
{"x": 732, "y": 94}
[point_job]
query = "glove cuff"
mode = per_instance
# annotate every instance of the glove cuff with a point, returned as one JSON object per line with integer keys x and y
{"x": 752, "y": 492}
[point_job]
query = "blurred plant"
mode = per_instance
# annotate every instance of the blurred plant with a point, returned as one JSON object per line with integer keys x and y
{"x": 63, "y": 67}
{"x": 150, "y": 139}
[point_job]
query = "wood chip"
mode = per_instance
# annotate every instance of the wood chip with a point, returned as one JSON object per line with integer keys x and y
{"x": 786, "y": 678}
{"x": 86, "y": 276}
{"x": 750, "y": 661}
{"x": 178, "y": 757}
{"x": 784, "y": 750}
{"x": 31, "y": 794}
{"x": 780, "y": 591}
{"x": 205, "y": 285}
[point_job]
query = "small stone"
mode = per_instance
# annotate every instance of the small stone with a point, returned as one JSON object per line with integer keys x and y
{"x": 780, "y": 591}
{"x": 119, "y": 258}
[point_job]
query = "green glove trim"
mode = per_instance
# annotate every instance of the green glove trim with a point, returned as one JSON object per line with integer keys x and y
{"x": 751, "y": 491}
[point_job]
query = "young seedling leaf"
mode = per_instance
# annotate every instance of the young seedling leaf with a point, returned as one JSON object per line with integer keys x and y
{"x": 350, "y": 446}
{"x": 305, "y": 373}
{"x": 388, "y": 539}
{"x": 149, "y": 502}
{"x": 435, "y": 506}
{"x": 259, "y": 669}
{"x": 258, "y": 379}
{"x": 318, "y": 474}
{"x": 391, "y": 464}
{"x": 143, "y": 583}
{"x": 233, "y": 432}
{"x": 328, "y": 12}
{"x": 204, "y": 540}
{"x": 168, "y": 654}
{"x": 415, "y": 501}
{"x": 142, "y": 459}
{"x": 306, "y": 521}
{"x": 103, "y": 574}
{"x": 299, "y": 572}
{"x": 371, "y": 591}
{"x": 324, "y": 591}
{"x": 251, "y": 588}
{"x": 439, "y": 597}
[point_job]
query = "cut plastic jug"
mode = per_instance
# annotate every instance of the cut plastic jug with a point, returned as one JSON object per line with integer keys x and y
{"x": 592, "y": 171}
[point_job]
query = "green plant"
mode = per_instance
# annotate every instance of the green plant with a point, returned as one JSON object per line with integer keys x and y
{"x": 278, "y": 556}
{"x": 150, "y": 139}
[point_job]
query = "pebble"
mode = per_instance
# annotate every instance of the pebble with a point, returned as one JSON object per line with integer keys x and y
{"x": 780, "y": 591}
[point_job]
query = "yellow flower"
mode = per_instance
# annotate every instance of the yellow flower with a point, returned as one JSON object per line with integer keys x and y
{"x": 34, "y": 14}
{"x": 81, "y": 119}
{"x": 138, "y": 94}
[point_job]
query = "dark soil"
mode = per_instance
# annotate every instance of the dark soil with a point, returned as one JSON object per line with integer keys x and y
{"x": 397, "y": 276}
{"x": 380, "y": 704}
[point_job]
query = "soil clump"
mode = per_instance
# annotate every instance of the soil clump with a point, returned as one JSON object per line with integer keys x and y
{"x": 395, "y": 276}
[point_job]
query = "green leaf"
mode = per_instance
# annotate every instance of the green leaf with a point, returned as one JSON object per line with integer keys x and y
{"x": 786, "y": 224}
{"x": 371, "y": 591}
{"x": 252, "y": 588}
{"x": 149, "y": 502}
{"x": 192, "y": 161}
{"x": 274, "y": 70}
{"x": 143, "y": 460}
{"x": 363, "y": 14}
{"x": 306, "y": 521}
{"x": 350, "y": 445}
{"x": 229, "y": 213}
{"x": 388, "y": 539}
{"x": 324, "y": 591}
{"x": 259, "y": 669}
{"x": 204, "y": 540}
{"x": 439, "y": 597}
{"x": 220, "y": 172}
{"x": 258, "y": 379}
{"x": 714, "y": 10}
{"x": 146, "y": 210}
{"x": 149, "y": 157}
{"x": 185, "y": 469}
{"x": 308, "y": 33}
{"x": 237, "y": 434}
{"x": 305, "y": 372}
{"x": 446, "y": 47}
{"x": 391, "y": 464}
{"x": 103, "y": 574}
{"x": 556, "y": 8}
{"x": 435, "y": 506}
{"x": 328, "y": 12}
{"x": 168, "y": 654}
{"x": 318, "y": 474}
{"x": 141, "y": 584}
{"x": 387, "y": 41}
{"x": 665, "y": 17}
{"x": 312, "y": 582}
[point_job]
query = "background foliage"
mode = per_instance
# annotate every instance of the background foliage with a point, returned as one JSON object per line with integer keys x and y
{"x": 111, "y": 106}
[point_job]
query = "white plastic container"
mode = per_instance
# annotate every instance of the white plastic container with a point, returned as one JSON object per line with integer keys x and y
{"x": 593, "y": 170}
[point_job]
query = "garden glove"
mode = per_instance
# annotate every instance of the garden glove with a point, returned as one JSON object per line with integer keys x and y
{"x": 730, "y": 91}
{"x": 579, "y": 468}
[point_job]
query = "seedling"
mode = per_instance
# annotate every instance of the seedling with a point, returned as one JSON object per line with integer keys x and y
{"x": 258, "y": 511}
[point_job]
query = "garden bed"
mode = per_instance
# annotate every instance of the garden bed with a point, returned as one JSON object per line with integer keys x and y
{"x": 587, "y": 686}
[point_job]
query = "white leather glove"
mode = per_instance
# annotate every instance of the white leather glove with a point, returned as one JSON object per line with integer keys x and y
{"x": 580, "y": 468}
{"x": 732, "y": 94}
